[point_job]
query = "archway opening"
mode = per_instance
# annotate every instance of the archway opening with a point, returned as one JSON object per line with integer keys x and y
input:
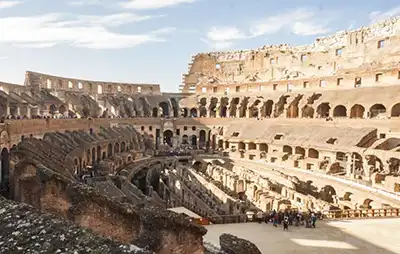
{"x": 300, "y": 151}
{"x": 165, "y": 109}
{"x": 241, "y": 146}
{"x": 168, "y": 134}
{"x": 340, "y": 111}
{"x": 395, "y": 110}
{"x": 185, "y": 140}
{"x": 252, "y": 146}
{"x": 194, "y": 141}
{"x": 264, "y": 147}
{"x": 109, "y": 150}
{"x": 98, "y": 153}
{"x": 155, "y": 112}
{"x": 287, "y": 149}
{"x": 5, "y": 170}
{"x": 312, "y": 153}
{"x": 357, "y": 111}
{"x": 376, "y": 110}
{"x": 193, "y": 112}
{"x": 202, "y": 138}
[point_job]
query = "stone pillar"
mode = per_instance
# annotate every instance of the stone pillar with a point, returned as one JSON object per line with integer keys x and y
{"x": 348, "y": 165}
{"x": 28, "y": 111}
{"x": 8, "y": 110}
{"x": 247, "y": 113}
{"x": 228, "y": 112}
{"x": 18, "y": 110}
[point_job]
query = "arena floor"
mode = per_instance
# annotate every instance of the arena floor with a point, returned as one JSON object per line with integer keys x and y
{"x": 349, "y": 236}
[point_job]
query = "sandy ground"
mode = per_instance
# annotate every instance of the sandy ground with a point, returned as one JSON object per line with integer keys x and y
{"x": 348, "y": 236}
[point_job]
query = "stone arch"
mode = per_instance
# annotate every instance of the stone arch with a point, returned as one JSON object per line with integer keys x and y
{"x": 263, "y": 147}
{"x": 202, "y": 138}
{"x": 241, "y": 146}
{"x": 287, "y": 149}
{"x": 240, "y": 186}
{"x": 98, "y": 153}
{"x": 357, "y": 111}
{"x": 323, "y": 109}
{"x": 123, "y": 147}
{"x": 185, "y": 139}
{"x": 300, "y": 150}
{"x": 165, "y": 109}
{"x": 252, "y": 146}
{"x": 168, "y": 135}
{"x": 267, "y": 108}
{"x": 62, "y": 109}
{"x": 203, "y": 111}
{"x": 226, "y": 144}
{"x": 109, "y": 150}
{"x": 154, "y": 112}
{"x": 367, "y": 203}
{"x": 116, "y": 148}
{"x": 377, "y": 109}
{"x": 53, "y": 109}
{"x": 193, "y": 112}
{"x": 395, "y": 112}
{"x": 194, "y": 141}
{"x": 175, "y": 107}
{"x": 220, "y": 144}
{"x": 313, "y": 153}
{"x": 340, "y": 111}
{"x": 233, "y": 107}
{"x": 327, "y": 193}
{"x": 307, "y": 112}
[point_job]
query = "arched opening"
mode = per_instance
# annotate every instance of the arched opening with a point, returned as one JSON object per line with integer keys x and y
{"x": 202, "y": 138}
{"x": 122, "y": 147}
{"x": 323, "y": 110}
{"x": 226, "y": 144}
{"x": 139, "y": 180}
{"x": 185, "y": 140}
{"x": 263, "y": 147}
{"x": 300, "y": 151}
{"x": 357, "y": 111}
{"x": 98, "y": 153}
{"x": 62, "y": 110}
{"x": 116, "y": 148}
{"x": 53, "y": 109}
{"x": 376, "y": 110}
{"x": 203, "y": 111}
{"x": 395, "y": 110}
{"x": 312, "y": 153}
{"x": 307, "y": 112}
{"x": 340, "y": 111}
{"x": 184, "y": 112}
{"x": 5, "y": 171}
{"x": 168, "y": 134}
{"x": 165, "y": 109}
{"x": 109, "y": 150}
{"x": 241, "y": 146}
{"x": 224, "y": 110}
{"x": 252, "y": 146}
{"x": 287, "y": 149}
{"x": 193, "y": 112}
{"x": 327, "y": 193}
{"x": 367, "y": 204}
{"x": 194, "y": 141}
{"x": 220, "y": 144}
{"x": 213, "y": 141}
{"x": 155, "y": 112}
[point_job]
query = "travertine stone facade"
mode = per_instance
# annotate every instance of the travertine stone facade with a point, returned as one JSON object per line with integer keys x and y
{"x": 342, "y": 60}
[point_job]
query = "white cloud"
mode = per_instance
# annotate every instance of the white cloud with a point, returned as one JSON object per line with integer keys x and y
{"x": 9, "y": 4}
{"x": 108, "y": 20}
{"x": 85, "y": 2}
{"x": 309, "y": 28}
{"x": 223, "y": 37}
{"x": 3, "y": 57}
{"x": 153, "y": 4}
{"x": 379, "y": 15}
{"x": 53, "y": 29}
{"x": 302, "y": 21}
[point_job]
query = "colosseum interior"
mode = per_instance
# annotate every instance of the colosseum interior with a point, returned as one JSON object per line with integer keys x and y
{"x": 311, "y": 127}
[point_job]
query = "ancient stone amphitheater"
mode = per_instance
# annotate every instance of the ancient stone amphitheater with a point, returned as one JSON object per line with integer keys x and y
{"x": 311, "y": 127}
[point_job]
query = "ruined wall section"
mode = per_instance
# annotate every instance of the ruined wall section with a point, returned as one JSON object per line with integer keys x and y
{"x": 376, "y": 46}
{"x": 56, "y": 83}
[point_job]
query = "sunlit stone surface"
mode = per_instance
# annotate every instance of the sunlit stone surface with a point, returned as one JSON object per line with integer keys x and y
{"x": 352, "y": 236}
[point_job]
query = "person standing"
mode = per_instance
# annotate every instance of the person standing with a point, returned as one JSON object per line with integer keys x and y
{"x": 260, "y": 216}
{"x": 286, "y": 223}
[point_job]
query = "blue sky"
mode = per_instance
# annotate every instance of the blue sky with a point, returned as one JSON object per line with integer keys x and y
{"x": 151, "y": 41}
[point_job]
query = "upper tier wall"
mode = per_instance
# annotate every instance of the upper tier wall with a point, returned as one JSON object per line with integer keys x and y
{"x": 39, "y": 80}
{"x": 376, "y": 46}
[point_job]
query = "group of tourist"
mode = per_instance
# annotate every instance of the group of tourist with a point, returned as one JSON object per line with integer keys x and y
{"x": 289, "y": 218}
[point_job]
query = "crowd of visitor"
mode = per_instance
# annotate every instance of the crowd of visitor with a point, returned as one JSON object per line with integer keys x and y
{"x": 287, "y": 218}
